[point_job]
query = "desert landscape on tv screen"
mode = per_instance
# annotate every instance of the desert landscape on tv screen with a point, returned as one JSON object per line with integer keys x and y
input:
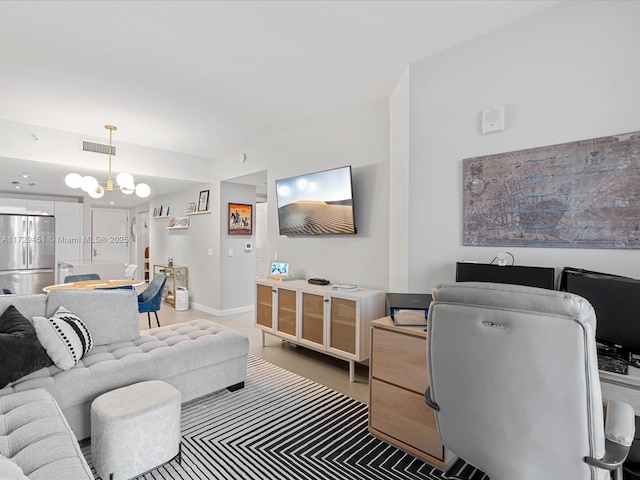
{"x": 316, "y": 204}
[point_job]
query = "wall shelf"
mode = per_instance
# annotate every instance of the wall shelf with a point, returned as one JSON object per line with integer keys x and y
{"x": 198, "y": 213}
{"x": 162, "y": 216}
{"x": 178, "y": 223}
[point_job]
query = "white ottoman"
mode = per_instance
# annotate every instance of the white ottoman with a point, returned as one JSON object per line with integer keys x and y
{"x": 135, "y": 429}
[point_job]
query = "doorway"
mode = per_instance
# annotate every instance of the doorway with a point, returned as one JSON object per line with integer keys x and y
{"x": 261, "y": 222}
{"x": 259, "y": 180}
{"x": 142, "y": 248}
{"x": 109, "y": 235}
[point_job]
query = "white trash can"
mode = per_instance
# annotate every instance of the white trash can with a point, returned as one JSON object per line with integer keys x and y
{"x": 182, "y": 298}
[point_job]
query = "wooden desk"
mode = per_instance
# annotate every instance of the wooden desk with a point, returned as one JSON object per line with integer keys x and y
{"x": 93, "y": 284}
{"x": 622, "y": 387}
{"x": 398, "y": 379}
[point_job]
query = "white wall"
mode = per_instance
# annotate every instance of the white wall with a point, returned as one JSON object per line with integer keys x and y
{"x": 568, "y": 73}
{"x": 359, "y": 138}
{"x": 218, "y": 284}
{"x": 239, "y": 270}
{"x": 399, "y": 157}
{"x": 188, "y": 247}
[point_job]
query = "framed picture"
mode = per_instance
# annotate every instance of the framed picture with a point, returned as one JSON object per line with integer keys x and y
{"x": 203, "y": 201}
{"x": 240, "y": 219}
{"x": 191, "y": 207}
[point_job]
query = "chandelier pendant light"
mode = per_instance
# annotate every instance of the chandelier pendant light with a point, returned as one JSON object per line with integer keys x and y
{"x": 124, "y": 181}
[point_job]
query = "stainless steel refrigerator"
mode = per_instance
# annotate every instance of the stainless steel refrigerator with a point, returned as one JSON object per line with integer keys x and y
{"x": 27, "y": 252}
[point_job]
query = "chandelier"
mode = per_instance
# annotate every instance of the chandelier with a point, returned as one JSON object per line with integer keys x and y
{"x": 96, "y": 189}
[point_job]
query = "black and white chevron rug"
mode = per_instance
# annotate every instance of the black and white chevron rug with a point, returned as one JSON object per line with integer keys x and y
{"x": 284, "y": 426}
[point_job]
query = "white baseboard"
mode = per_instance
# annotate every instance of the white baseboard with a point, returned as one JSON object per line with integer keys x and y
{"x": 221, "y": 313}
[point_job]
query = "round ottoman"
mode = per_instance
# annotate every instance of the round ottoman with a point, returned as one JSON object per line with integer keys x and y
{"x": 135, "y": 429}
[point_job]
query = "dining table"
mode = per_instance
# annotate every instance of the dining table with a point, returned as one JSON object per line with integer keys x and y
{"x": 94, "y": 284}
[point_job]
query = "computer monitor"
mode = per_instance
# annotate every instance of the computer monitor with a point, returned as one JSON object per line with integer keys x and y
{"x": 541, "y": 277}
{"x": 616, "y": 301}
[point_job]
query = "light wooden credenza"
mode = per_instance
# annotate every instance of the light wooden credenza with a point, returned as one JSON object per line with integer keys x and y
{"x": 335, "y": 322}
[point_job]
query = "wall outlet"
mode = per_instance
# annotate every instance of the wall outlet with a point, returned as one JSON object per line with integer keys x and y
{"x": 231, "y": 252}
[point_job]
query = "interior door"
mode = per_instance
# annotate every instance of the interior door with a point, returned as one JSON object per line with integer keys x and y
{"x": 109, "y": 235}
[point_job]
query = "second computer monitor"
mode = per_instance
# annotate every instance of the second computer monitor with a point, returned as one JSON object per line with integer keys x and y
{"x": 541, "y": 277}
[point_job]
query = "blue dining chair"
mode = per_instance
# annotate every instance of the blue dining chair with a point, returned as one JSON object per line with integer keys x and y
{"x": 81, "y": 277}
{"x": 149, "y": 300}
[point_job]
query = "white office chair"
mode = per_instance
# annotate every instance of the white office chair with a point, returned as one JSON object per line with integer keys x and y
{"x": 514, "y": 383}
{"x": 130, "y": 271}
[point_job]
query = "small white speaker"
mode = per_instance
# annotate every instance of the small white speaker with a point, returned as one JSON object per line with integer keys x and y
{"x": 493, "y": 120}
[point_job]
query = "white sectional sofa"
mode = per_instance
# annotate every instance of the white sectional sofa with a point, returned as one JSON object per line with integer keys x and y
{"x": 197, "y": 357}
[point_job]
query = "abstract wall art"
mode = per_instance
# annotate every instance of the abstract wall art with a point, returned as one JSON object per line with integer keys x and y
{"x": 583, "y": 194}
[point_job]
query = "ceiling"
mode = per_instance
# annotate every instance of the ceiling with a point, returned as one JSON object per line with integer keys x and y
{"x": 207, "y": 77}
{"x": 49, "y": 181}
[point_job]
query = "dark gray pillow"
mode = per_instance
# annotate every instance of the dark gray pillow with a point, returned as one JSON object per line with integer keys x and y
{"x": 21, "y": 351}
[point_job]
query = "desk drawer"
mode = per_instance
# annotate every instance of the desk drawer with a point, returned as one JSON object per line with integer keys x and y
{"x": 399, "y": 359}
{"x": 403, "y": 415}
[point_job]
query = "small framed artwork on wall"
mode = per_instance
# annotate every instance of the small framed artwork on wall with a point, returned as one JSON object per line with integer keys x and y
{"x": 240, "y": 219}
{"x": 203, "y": 201}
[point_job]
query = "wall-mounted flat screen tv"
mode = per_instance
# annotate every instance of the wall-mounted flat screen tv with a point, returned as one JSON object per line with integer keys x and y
{"x": 318, "y": 203}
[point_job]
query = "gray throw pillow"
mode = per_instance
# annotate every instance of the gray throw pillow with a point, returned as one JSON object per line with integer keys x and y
{"x": 21, "y": 351}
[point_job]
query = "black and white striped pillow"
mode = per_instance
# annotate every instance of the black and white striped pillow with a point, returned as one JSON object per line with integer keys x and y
{"x": 64, "y": 336}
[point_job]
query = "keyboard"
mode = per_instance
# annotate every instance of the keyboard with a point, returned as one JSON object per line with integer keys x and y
{"x": 612, "y": 364}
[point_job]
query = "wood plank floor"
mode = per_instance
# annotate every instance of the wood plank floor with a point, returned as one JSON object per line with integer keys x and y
{"x": 326, "y": 370}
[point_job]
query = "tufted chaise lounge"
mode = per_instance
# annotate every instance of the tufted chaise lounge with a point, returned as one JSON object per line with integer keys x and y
{"x": 197, "y": 357}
